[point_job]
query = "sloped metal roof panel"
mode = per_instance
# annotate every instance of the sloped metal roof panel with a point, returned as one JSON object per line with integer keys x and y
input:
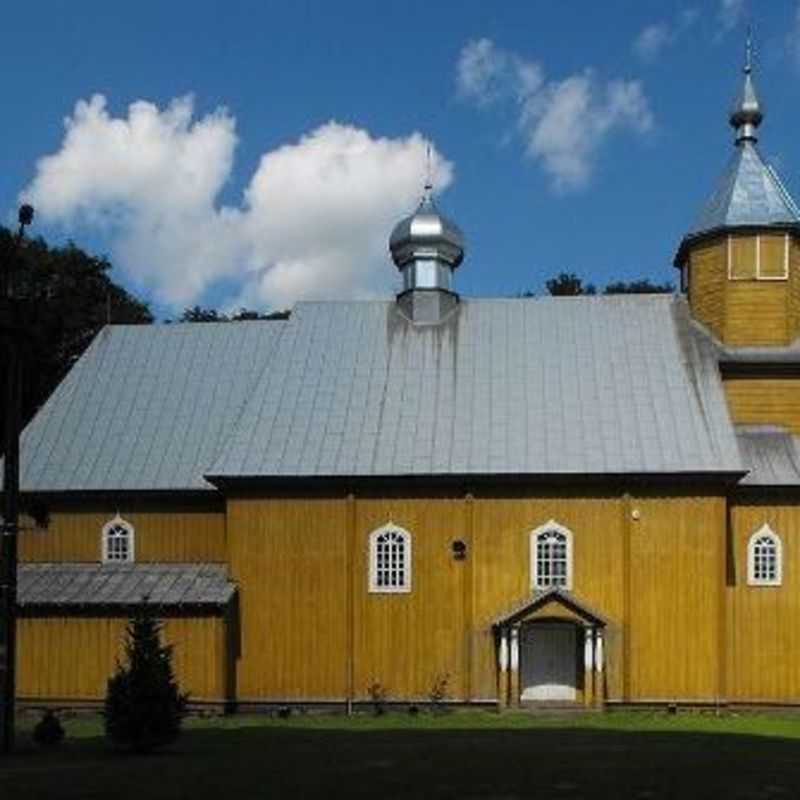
{"x": 147, "y": 407}
{"x": 108, "y": 585}
{"x": 595, "y": 385}
{"x": 771, "y": 453}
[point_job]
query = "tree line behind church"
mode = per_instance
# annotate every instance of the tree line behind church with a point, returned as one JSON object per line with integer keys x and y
{"x": 66, "y": 296}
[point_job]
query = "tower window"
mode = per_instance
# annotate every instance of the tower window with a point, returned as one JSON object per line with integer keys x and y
{"x": 764, "y": 558}
{"x": 551, "y": 557}
{"x": 390, "y": 560}
{"x": 763, "y": 257}
{"x": 118, "y": 541}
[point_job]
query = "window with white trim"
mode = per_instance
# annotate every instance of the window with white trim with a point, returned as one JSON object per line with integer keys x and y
{"x": 118, "y": 541}
{"x": 551, "y": 557}
{"x": 390, "y": 560}
{"x": 764, "y": 558}
{"x": 758, "y": 257}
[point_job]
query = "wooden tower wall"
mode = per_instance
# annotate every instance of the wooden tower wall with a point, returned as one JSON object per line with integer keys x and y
{"x": 739, "y": 306}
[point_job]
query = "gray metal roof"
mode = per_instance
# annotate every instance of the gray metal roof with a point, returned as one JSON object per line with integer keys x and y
{"x": 63, "y": 584}
{"x": 599, "y": 385}
{"x": 771, "y": 453}
{"x": 147, "y": 407}
{"x": 749, "y": 193}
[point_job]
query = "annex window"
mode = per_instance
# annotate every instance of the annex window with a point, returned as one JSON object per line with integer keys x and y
{"x": 762, "y": 257}
{"x": 118, "y": 544}
{"x": 551, "y": 557}
{"x": 764, "y": 558}
{"x": 390, "y": 560}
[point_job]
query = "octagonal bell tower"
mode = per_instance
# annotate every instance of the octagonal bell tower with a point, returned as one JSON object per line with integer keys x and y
{"x": 740, "y": 261}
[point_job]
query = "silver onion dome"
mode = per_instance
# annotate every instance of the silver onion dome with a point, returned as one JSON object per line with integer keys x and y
{"x": 427, "y": 235}
{"x": 747, "y": 112}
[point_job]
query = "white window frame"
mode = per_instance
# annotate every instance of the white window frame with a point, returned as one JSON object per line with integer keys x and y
{"x": 759, "y": 276}
{"x": 374, "y": 588}
{"x": 765, "y": 531}
{"x": 118, "y": 522}
{"x": 552, "y": 525}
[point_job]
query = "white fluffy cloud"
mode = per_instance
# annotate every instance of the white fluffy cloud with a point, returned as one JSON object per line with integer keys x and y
{"x": 654, "y": 39}
{"x": 563, "y": 123}
{"x": 313, "y": 222}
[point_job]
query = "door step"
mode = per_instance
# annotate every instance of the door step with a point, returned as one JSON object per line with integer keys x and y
{"x": 554, "y": 707}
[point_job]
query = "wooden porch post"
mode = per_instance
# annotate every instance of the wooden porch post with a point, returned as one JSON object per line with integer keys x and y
{"x": 598, "y": 662}
{"x": 514, "y": 668}
{"x": 502, "y": 670}
{"x": 588, "y": 665}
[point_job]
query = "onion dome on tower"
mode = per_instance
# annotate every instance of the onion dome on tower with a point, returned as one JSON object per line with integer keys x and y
{"x": 427, "y": 248}
{"x": 746, "y": 232}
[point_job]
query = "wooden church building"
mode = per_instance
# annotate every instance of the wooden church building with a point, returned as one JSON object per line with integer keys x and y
{"x": 591, "y": 500}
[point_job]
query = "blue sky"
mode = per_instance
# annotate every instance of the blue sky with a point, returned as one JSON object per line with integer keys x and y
{"x": 256, "y": 153}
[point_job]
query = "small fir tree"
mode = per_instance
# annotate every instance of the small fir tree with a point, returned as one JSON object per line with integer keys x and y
{"x": 48, "y": 732}
{"x": 144, "y": 706}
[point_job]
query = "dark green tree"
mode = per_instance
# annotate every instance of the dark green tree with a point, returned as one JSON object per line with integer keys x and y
{"x": 568, "y": 284}
{"x": 64, "y": 297}
{"x": 642, "y": 286}
{"x": 144, "y": 706}
{"x": 200, "y": 314}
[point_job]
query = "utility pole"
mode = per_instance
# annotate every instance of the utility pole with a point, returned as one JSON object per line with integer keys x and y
{"x": 12, "y": 367}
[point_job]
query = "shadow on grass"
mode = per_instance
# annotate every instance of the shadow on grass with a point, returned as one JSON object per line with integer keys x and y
{"x": 297, "y": 762}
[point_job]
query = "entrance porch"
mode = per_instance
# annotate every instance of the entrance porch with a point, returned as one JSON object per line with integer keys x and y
{"x": 550, "y": 651}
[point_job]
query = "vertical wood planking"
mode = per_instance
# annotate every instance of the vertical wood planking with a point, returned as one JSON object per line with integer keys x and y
{"x": 185, "y": 534}
{"x": 72, "y": 658}
{"x": 765, "y": 641}
{"x": 290, "y": 558}
{"x": 675, "y": 570}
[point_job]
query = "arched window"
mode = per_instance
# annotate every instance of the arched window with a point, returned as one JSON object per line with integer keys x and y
{"x": 390, "y": 559}
{"x": 551, "y": 557}
{"x": 764, "y": 558}
{"x": 118, "y": 544}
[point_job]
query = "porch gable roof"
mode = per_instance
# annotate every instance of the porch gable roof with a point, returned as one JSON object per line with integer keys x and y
{"x": 541, "y": 598}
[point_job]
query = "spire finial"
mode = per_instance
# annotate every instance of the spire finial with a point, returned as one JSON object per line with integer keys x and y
{"x": 748, "y": 51}
{"x": 428, "y": 174}
{"x": 746, "y": 114}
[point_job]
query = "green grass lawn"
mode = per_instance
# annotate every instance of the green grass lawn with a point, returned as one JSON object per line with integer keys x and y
{"x": 465, "y": 754}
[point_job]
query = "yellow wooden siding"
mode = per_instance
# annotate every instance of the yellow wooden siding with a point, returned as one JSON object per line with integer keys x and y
{"x": 708, "y": 274}
{"x": 181, "y": 534}
{"x": 303, "y": 609}
{"x": 290, "y": 559}
{"x": 677, "y": 580}
{"x": 407, "y": 641}
{"x": 71, "y": 658}
{"x": 501, "y": 563}
{"x": 794, "y": 289}
{"x": 764, "y": 650}
{"x": 756, "y": 313}
{"x": 773, "y": 401}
